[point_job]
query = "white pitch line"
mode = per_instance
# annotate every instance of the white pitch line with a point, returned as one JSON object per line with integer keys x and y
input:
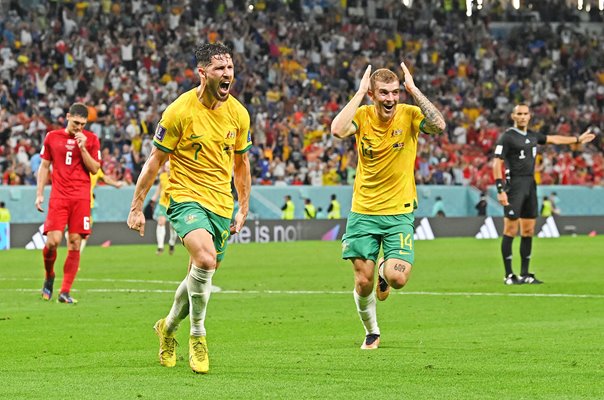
{"x": 216, "y": 289}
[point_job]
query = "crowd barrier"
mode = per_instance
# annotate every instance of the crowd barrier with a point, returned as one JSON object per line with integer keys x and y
{"x": 113, "y": 205}
{"x": 262, "y": 231}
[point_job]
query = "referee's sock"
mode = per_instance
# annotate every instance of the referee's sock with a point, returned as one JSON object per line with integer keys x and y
{"x": 506, "y": 253}
{"x": 526, "y": 246}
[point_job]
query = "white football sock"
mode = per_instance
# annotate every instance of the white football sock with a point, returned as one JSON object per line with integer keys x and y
{"x": 180, "y": 308}
{"x": 160, "y": 234}
{"x": 199, "y": 286}
{"x": 381, "y": 271}
{"x": 173, "y": 236}
{"x": 82, "y": 245}
{"x": 367, "y": 312}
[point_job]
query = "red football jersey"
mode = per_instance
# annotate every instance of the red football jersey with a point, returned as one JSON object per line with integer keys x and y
{"x": 70, "y": 178}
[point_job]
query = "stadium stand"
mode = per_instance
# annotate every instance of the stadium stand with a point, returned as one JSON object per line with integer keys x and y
{"x": 298, "y": 62}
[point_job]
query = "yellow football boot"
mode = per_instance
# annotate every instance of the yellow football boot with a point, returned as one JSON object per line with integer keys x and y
{"x": 198, "y": 354}
{"x": 167, "y": 344}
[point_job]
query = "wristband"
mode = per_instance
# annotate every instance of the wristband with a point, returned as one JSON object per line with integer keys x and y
{"x": 499, "y": 185}
{"x": 577, "y": 137}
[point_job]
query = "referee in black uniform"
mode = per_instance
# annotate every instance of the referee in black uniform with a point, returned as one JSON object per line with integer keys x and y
{"x": 517, "y": 147}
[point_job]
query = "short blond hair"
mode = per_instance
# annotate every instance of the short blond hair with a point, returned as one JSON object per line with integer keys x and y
{"x": 382, "y": 75}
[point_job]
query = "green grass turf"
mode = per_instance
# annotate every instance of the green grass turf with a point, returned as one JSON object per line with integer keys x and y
{"x": 455, "y": 331}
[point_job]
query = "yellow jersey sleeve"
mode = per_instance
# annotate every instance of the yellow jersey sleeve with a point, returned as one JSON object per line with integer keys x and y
{"x": 169, "y": 129}
{"x": 244, "y": 135}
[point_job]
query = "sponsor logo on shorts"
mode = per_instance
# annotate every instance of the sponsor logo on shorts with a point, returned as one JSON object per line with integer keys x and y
{"x": 189, "y": 219}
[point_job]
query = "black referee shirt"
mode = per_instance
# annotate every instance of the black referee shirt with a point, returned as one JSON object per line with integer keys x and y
{"x": 518, "y": 149}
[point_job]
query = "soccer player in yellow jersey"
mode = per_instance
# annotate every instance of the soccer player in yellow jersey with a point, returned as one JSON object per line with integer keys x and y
{"x": 161, "y": 193}
{"x": 205, "y": 134}
{"x": 384, "y": 194}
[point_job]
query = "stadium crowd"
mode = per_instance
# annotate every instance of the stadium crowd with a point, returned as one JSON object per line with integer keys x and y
{"x": 298, "y": 62}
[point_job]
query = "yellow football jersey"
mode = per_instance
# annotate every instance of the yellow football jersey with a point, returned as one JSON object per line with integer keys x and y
{"x": 164, "y": 197}
{"x": 385, "y": 178}
{"x": 94, "y": 178}
{"x": 202, "y": 143}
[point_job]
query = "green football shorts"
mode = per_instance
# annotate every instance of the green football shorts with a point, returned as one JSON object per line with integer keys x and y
{"x": 190, "y": 215}
{"x": 366, "y": 233}
{"x": 162, "y": 211}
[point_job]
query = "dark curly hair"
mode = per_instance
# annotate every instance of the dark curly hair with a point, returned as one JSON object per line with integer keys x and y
{"x": 205, "y": 51}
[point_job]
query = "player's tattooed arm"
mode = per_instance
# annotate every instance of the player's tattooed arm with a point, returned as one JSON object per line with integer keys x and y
{"x": 435, "y": 122}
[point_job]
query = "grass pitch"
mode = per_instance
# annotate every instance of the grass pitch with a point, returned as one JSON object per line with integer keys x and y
{"x": 285, "y": 326}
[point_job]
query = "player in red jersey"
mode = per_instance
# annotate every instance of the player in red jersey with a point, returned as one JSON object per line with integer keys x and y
{"x": 74, "y": 153}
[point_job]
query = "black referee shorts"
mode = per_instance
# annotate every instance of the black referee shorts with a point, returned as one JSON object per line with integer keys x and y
{"x": 522, "y": 198}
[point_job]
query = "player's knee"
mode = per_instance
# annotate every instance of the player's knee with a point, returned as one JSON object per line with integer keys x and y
{"x": 398, "y": 275}
{"x": 510, "y": 232}
{"x": 52, "y": 244}
{"x": 398, "y": 281}
{"x": 74, "y": 246}
{"x": 364, "y": 283}
{"x": 205, "y": 261}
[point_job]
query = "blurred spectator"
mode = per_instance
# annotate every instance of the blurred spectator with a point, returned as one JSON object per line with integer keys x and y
{"x": 4, "y": 212}
{"x": 555, "y": 202}
{"x": 438, "y": 209}
{"x": 333, "y": 211}
{"x": 321, "y": 214}
{"x": 128, "y": 60}
{"x": 288, "y": 209}
{"x": 546, "y": 207}
{"x": 481, "y": 206}
{"x": 309, "y": 209}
